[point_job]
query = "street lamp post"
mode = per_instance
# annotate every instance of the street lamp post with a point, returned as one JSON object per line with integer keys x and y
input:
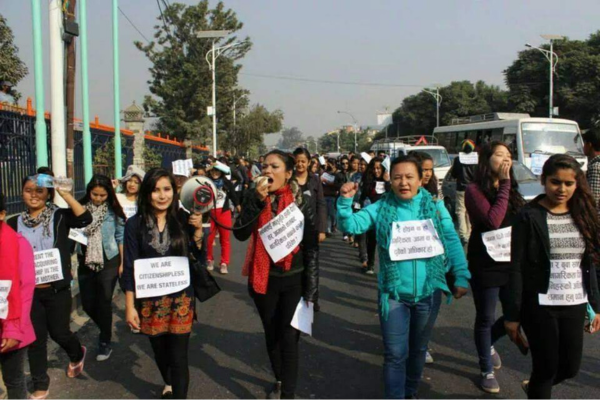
{"x": 235, "y": 100}
{"x": 438, "y": 102}
{"x": 550, "y": 55}
{"x": 355, "y": 130}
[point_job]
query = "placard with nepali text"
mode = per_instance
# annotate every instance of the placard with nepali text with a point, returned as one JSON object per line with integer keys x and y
{"x": 413, "y": 240}
{"x": 498, "y": 243}
{"x": 469, "y": 159}
{"x": 5, "y": 286}
{"x": 283, "y": 233}
{"x": 566, "y": 284}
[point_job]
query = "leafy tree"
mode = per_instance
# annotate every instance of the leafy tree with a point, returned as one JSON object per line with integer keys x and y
{"x": 250, "y": 129}
{"x": 328, "y": 142}
{"x": 181, "y": 82}
{"x": 290, "y": 139}
{"x": 576, "y": 83}
{"x": 12, "y": 69}
{"x": 152, "y": 158}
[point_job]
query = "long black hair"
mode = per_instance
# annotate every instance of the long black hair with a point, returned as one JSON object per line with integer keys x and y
{"x": 146, "y": 212}
{"x": 582, "y": 205}
{"x": 432, "y": 185}
{"x": 484, "y": 178}
{"x": 368, "y": 178}
{"x": 105, "y": 183}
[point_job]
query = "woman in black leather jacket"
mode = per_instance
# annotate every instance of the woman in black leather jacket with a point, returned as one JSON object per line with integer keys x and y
{"x": 278, "y": 287}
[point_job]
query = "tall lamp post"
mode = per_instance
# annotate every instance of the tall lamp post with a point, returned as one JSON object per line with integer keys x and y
{"x": 550, "y": 55}
{"x": 355, "y": 129}
{"x": 235, "y": 100}
{"x": 438, "y": 102}
{"x": 214, "y": 53}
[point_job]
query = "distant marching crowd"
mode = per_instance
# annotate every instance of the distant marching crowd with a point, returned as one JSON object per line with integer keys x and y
{"x": 538, "y": 259}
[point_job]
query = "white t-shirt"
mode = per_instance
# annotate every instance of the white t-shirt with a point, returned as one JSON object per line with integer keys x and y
{"x": 129, "y": 207}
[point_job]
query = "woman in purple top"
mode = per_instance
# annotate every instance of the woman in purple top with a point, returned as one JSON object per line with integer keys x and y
{"x": 492, "y": 202}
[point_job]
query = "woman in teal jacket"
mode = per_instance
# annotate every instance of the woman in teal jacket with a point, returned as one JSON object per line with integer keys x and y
{"x": 408, "y": 286}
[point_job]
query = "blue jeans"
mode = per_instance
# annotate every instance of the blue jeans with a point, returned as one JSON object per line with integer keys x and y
{"x": 331, "y": 217}
{"x": 433, "y": 314}
{"x": 406, "y": 333}
{"x": 487, "y": 329}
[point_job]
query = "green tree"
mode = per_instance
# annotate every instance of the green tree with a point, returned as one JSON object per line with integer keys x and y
{"x": 290, "y": 139}
{"x": 12, "y": 69}
{"x": 576, "y": 83}
{"x": 251, "y": 128}
{"x": 181, "y": 82}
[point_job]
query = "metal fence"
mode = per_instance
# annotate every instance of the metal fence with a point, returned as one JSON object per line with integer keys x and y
{"x": 18, "y": 154}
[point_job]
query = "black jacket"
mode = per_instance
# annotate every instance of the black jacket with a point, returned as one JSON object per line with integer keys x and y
{"x": 64, "y": 220}
{"x": 332, "y": 189}
{"x": 530, "y": 256}
{"x": 306, "y": 259}
{"x": 464, "y": 174}
{"x": 314, "y": 191}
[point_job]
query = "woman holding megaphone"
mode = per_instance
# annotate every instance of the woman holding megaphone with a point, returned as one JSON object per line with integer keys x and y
{"x": 281, "y": 273}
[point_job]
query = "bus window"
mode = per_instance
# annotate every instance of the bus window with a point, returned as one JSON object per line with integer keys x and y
{"x": 511, "y": 140}
{"x": 497, "y": 134}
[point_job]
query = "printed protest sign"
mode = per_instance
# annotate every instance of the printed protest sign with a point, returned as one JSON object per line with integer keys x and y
{"x": 220, "y": 199}
{"x": 304, "y": 317}
{"x": 566, "y": 284}
{"x": 283, "y": 233}
{"x": 5, "y": 286}
{"x": 129, "y": 211}
{"x": 48, "y": 267}
{"x": 538, "y": 161}
{"x": 156, "y": 277}
{"x": 414, "y": 239}
{"x": 380, "y": 187}
{"x": 78, "y": 236}
{"x": 183, "y": 167}
{"x": 497, "y": 244}
{"x": 469, "y": 159}
{"x": 327, "y": 177}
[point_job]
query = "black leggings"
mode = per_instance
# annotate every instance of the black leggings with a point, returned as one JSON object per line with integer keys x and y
{"x": 171, "y": 356}
{"x": 371, "y": 247}
{"x": 555, "y": 335}
{"x": 276, "y": 309}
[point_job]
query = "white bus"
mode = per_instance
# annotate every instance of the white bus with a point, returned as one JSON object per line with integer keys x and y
{"x": 530, "y": 139}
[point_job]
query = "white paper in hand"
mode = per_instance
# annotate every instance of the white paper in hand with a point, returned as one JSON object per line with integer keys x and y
{"x": 303, "y": 317}
{"x": 78, "y": 236}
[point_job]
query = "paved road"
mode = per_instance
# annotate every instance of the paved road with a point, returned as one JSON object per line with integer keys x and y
{"x": 343, "y": 360}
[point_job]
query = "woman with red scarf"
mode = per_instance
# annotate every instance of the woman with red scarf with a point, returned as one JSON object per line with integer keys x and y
{"x": 278, "y": 287}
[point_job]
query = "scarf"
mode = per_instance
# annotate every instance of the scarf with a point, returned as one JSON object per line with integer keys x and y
{"x": 161, "y": 246}
{"x": 94, "y": 256}
{"x": 390, "y": 277}
{"x": 9, "y": 269}
{"x": 219, "y": 183}
{"x": 258, "y": 262}
{"x": 44, "y": 218}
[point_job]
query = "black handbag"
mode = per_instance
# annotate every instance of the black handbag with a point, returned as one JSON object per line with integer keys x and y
{"x": 205, "y": 285}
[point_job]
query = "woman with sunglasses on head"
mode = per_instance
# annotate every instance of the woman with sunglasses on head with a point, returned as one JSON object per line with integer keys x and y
{"x": 492, "y": 201}
{"x": 278, "y": 287}
{"x": 101, "y": 259}
{"x": 17, "y": 270}
{"x": 554, "y": 282}
{"x": 46, "y": 227}
{"x": 162, "y": 230}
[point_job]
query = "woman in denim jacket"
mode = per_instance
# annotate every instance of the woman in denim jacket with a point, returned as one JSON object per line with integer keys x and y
{"x": 101, "y": 260}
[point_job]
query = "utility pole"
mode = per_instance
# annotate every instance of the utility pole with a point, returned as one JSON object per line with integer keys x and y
{"x": 70, "y": 95}
{"x": 41, "y": 133}
{"x": 117, "y": 90}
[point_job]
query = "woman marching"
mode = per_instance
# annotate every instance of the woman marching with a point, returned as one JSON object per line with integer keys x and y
{"x": 429, "y": 181}
{"x": 226, "y": 197}
{"x": 101, "y": 259}
{"x": 492, "y": 201}
{"x": 130, "y": 188}
{"x": 374, "y": 186}
{"x": 278, "y": 287}
{"x": 46, "y": 227}
{"x": 160, "y": 230}
{"x": 408, "y": 285}
{"x": 17, "y": 270}
{"x": 555, "y": 250}
{"x": 311, "y": 186}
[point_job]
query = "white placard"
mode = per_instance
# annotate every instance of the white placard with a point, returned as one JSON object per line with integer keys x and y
{"x": 380, "y": 187}
{"x": 183, "y": 167}
{"x": 48, "y": 266}
{"x": 220, "y": 199}
{"x": 497, "y": 244}
{"x": 356, "y": 205}
{"x": 78, "y": 236}
{"x": 414, "y": 239}
{"x": 327, "y": 177}
{"x": 5, "y": 286}
{"x": 538, "y": 161}
{"x": 386, "y": 164}
{"x": 129, "y": 211}
{"x": 304, "y": 317}
{"x": 283, "y": 233}
{"x": 566, "y": 284}
{"x": 161, "y": 276}
{"x": 322, "y": 160}
{"x": 366, "y": 157}
{"x": 469, "y": 159}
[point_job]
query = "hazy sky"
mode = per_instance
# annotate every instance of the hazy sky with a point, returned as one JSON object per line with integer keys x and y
{"x": 392, "y": 42}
